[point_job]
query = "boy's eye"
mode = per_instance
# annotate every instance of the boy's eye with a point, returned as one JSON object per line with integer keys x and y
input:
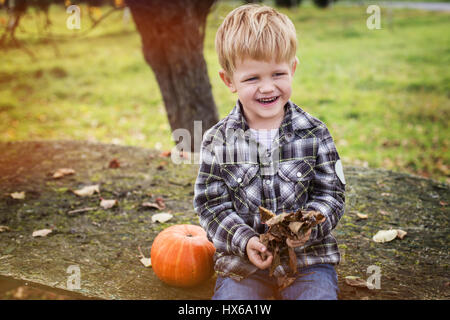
{"x": 278, "y": 74}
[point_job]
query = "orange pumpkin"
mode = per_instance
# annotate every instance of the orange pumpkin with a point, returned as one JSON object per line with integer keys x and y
{"x": 182, "y": 256}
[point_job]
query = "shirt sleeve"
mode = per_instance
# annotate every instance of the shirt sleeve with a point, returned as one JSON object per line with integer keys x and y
{"x": 212, "y": 202}
{"x": 327, "y": 189}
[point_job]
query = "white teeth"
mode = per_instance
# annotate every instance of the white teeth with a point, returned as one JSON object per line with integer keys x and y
{"x": 268, "y": 99}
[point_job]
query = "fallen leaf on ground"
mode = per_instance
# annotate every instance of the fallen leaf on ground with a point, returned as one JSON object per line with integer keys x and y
{"x": 151, "y": 205}
{"x": 41, "y": 233}
{"x": 362, "y": 215}
{"x": 161, "y": 165}
{"x": 385, "y": 194}
{"x": 165, "y": 154}
{"x": 114, "y": 163}
{"x": 87, "y": 191}
{"x": 384, "y": 213}
{"x": 18, "y": 195}
{"x": 442, "y": 203}
{"x": 4, "y": 228}
{"x": 356, "y": 282}
{"x": 147, "y": 262}
{"x": 63, "y": 172}
{"x": 401, "y": 234}
{"x": 107, "y": 204}
{"x": 161, "y": 217}
{"x": 182, "y": 155}
{"x": 81, "y": 210}
{"x": 158, "y": 204}
{"x": 384, "y": 236}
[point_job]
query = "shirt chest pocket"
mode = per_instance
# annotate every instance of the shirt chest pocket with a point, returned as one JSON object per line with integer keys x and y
{"x": 295, "y": 177}
{"x": 242, "y": 182}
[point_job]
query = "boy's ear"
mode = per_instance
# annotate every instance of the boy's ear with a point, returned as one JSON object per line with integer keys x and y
{"x": 227, "y": 80}
{"x": 294, "y": 65}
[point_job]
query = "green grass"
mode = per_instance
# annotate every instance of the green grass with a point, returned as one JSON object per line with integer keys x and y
{"x": 384, "y": 94}
{"x": 367, "y": 2}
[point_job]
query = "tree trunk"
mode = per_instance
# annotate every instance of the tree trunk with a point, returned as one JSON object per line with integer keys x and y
{"x": 172, "y": 35}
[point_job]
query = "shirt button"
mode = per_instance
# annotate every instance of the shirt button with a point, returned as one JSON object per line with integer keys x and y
{"x": 267, "y": 181}
{"x": 239, "y": 180}
{"x": 299, "y": 174}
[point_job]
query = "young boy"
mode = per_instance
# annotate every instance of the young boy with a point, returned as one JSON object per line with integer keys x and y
{"x": 267, "y": 152}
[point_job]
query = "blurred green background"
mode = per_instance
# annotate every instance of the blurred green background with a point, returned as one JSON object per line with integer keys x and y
{"x": 384, "y": 94}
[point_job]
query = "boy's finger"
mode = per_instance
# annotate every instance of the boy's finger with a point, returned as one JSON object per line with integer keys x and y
{"x": 261, "y": 259}
{"x": 265, "y": 264}
{"x": 265, "y": 255}
{"x": 256, "y": 259}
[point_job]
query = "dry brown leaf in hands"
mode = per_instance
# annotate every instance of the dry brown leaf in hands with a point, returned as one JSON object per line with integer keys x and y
{"x": 284, "y": 282}
{"x": 289, "y": 225}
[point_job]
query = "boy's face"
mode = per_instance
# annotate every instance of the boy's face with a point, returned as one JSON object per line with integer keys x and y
{"x": 263, "y": 89}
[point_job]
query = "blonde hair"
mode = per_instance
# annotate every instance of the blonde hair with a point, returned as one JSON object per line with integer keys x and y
{"x": 257, "y": 32}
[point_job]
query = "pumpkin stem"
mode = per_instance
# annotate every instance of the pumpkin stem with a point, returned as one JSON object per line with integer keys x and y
{"x": 189, "y": 235}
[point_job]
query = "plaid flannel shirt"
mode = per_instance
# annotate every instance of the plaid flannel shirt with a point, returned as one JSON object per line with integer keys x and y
{"x": 302, "y": 170}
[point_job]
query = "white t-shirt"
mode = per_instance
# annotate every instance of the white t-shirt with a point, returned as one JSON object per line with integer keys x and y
{"x": 264, "y": 136}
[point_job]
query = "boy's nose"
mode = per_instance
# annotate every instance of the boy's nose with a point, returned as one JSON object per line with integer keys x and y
{"x": 266, "y": 87}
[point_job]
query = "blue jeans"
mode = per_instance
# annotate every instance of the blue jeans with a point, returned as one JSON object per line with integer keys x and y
{"x": 320, "y": 285}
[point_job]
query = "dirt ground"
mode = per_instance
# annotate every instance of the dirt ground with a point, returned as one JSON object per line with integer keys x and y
{"x": 104, "y": 242}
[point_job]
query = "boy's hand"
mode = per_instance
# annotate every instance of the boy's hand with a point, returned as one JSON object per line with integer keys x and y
{"x": 300, "y": 242}
{"x": 258, "y": 254}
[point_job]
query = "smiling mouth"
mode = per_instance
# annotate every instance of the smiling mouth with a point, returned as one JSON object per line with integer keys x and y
{"x": 268, "y": 100}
